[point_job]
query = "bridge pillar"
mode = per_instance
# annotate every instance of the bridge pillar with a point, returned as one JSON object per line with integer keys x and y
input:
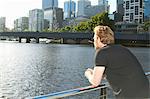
{"x": 77, "y": 41}
{"x": 37, "y": 40}
{"x": 28, "y": 40}
{"x": 19, "y": 39}
{"x": 61, "y": 41}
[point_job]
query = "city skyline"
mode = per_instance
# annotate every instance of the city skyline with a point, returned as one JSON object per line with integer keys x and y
{"x": 13, "y": 9}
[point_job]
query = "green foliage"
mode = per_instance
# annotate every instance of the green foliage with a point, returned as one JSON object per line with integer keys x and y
{"x": 88, "y": 26}
{"x": 146, "y": 25}
{"x": 101, "y": 19}
{"x": 81, "y": 27}
{"x": 66, "y": 29}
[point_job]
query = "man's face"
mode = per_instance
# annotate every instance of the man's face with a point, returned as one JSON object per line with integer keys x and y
{"x": 97, "y": 42}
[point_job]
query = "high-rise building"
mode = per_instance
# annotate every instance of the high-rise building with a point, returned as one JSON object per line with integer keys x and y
{"x": 101, "y": 2}
{"x": 93, "y": 10}
{"x": 133, "y": 11}
{"x": 105, "y": 4}
{"x": 2, "y": 24}
{"x": 16, "y": 25}
{"x": 69, "y": 9}
{"x": 119, "y": 11}
{"x": 147, "y": 10}
{"x": 49, "y": 4}
{"x": 54, "y": 17}
{"x": 21, "y": 24}
{"x": 82, "y": 4}
{"x": 36, "y": 20}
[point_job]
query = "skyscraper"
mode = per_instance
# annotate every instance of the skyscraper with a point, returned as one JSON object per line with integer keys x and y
{"x": 93, "y": 10}
{"x": 21, "y": 24}
{"x": 102, "y": 2}
{"x": 133, "y": 11}
{"x": 54, "y": 17}
{"x": 82, "y": 4}
{"x": 69, "y": 9}
{"x": 36, "y": 20}
{"x": 105, "y": 4}
{"x": 2, "y": 24}
{"x": 120, "y": 11}
{"x": 49, "y": 4}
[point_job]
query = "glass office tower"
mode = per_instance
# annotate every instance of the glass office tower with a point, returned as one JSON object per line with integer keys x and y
{"x": 82, "y": 4}
{"x": 147, "y": 10}
{"x": 49, "y": 4}
{"x": 69, "y": 9}
{"x": 36, "y": 20}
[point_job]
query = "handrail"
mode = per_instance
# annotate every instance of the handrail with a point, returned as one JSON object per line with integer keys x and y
{"x": 76, "y": 91}
{"x": 70, "y": 92}
{"x": 147, "y": 73}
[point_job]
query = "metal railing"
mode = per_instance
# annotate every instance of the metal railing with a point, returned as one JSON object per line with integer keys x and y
{"x": 73, "y": 92}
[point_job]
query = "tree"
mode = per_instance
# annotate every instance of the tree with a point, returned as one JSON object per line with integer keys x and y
{"x": 66, "y": 29}
{"x": 98, "y": 19}
{"x": 101, "y": 19}
{"x": 88, "y": 26}
{"x": 81, "y": 27}
{"x": 146, "y": 25}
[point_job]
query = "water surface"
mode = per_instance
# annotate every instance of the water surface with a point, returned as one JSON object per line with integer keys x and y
{"x": 35, "y": 69}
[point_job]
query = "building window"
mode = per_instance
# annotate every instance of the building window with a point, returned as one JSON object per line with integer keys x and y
{"x": 136, "y": 20}
{"x": 132, "y": 1}
{"x": 141, "y": 3}
{"x": 131, "y": 16}
{"x": 136, "y": 10}
{"x": 127, "y": 14}
{"x": 132, "y": 7}
{"x": 136, "y": 0}
{"x": 127, "y": 4}
{"x": 140, "y": 20}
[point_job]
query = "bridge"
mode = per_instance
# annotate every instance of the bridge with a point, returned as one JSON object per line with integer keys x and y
{"x": 51, "y": 35}
{"x": 78, "y": 37}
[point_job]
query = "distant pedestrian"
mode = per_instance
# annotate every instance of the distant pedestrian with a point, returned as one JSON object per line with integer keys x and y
{"x": 122, "y": 69}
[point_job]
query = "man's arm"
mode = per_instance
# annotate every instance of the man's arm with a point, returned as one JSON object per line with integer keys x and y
{"x": 95, "y": 75}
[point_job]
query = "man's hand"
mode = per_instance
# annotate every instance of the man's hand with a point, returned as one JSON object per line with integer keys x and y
{"x": 88, "y": 72}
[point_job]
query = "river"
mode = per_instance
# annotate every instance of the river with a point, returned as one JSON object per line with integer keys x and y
{"x": 28, "y": 69}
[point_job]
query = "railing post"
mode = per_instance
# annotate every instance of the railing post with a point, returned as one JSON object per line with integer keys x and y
{"x": 103, "y": 93}
{"x": 19, "y": 39}
{"x": 37, "y": 40}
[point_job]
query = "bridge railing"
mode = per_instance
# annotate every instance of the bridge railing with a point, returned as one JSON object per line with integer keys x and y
{"x": 103, "y": 91}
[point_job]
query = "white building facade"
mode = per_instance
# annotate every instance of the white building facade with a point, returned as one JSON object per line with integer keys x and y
{"x": 36, "y": 20}
{"x": 133, "y": 11}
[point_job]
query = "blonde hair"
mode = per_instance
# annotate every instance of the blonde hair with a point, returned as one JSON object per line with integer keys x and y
{"x": 105, "y": 34}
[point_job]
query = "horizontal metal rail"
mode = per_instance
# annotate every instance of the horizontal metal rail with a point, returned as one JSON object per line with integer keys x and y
{"x": 147, "y": 73}
{"x": 76, "y": 91}
{"x": 69, "y": 92}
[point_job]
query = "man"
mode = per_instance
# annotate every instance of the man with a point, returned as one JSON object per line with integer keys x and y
{"x": 122, "y": 69}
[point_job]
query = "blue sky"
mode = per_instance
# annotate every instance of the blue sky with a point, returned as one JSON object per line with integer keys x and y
{"x": 13, "y": 9}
